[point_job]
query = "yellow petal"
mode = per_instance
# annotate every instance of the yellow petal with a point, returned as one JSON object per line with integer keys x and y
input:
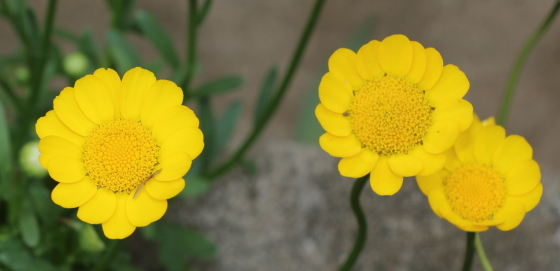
{"x": 50, "y": 124}
{"x": 66, "y": 169}
{"x": 134, "y": 87}
{"x": 367, "y": 62}
{"x": 464, "y": 146}
{"x": 460, "y": 111}
{"x": 342, "y": 65}
{"x": 486, "y": 142}
{"x": 358, "y": 165}
{"x": 335, "y": 95}
{"x": 161, "y": 96}
{"x": 530, "y": 199}
{"x": 512, "y": 150}
{"x": 395, "y": 55}
{"x": 99, "y": 208}
{"x": 405, "y": 164}
{"x": 72, "y": 195}
{"x": 512, "y": 213}
{"x": 430, "y": 162}
{"x": 52, "y": 146}
{"x": 452, "y": 163}
{"x": 173, "y": 166}
{"x": 94, "y": 99}
{"x": 334, "y": 123}
{"x": 454, "y": 218}
{"x": 432, "y": 182}
{"x": 441, "y": 136}
{"x": 473, "y": 227}
{"x": 112, "y": 81}
{"x": 434, "y": 67}
{"x": 143, "y": 210}
{"x": 383, "y": 180}
{"x": 189, "y": 140}
{"x": 70, "y": 113}
{"x": 340, "y": 146}
{"x": 172, "y": 120}
{"x": 164, "y": 190}
{"x": 523, "y": 177}
{"x": 452, "y": 85}
{"x": 438, "y": 201}
{"x": 489, "y": 122}
{"x": 418, "y": 63}
{"x": 118, "y": 226}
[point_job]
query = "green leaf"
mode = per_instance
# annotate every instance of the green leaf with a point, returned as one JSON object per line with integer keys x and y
{"x": 158, "y": 37}
{"x": 203, "y": 12}
{"x": 5, "y": 151}
{"x": 31, "y": 29}
{"x": 122, "y": 52}
{"x": 218, "y": 86}
{"x": 155, "y": 66}
{"x": 66, "y": 34}
{"x": 28, "y": 226}
{"x": 194, "y": 187}
{"x": 88, "y": 46}
{"x": 47, "y": 211}
{"x": 264, "y": 95}
{"x": 225, "y": 126}
{"x": 14, "y": 256}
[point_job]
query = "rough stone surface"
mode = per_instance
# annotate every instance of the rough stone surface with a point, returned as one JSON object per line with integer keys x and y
{"x": 295, "y": 215}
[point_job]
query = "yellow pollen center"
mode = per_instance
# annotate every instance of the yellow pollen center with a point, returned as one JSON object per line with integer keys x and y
{"x": 389, "y": 115}
{"x": 475, "y": 192}
{"x": 120, "y": 154}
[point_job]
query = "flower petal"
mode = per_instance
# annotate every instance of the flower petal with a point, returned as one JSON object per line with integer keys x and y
{"x": 189, "y": 140}
{"x": 438, "y": 201}
{"x": 464, "y": 145}
{"x": 432, "y": 182}
{"x": 395, "y": 55}
{"x": 452, "y": 163}
{"x": 418, "y": 63}
{"x": 112, "y": 81}
{"x": 430, "y": 162}
{"x": 434, "y": 67}
{"x": 99, "y": 208}
{"x": 367, "y": 62}
{"x": 52, "y": 146}
{"x": 405, "y": 164}
{"x": 358, "y": 165}
{"x": 452, "y": 85}
{"x": 72, "y": 195}
{"x": 172, "y": 120}
{"x": 523, "y": 177}
{"x": 66, "y": 169}
{"x": 512, "y": 150}
{"x": 342, "y": 65}
{"x": 383, "y": 180}
{"x": 70, "y": 113}
{"x": 173, "y": 166}
{"x": 334, "y": 123}
{"x": 143, "y": 210}
{"x": 94, "y": 99}
{"x": 164, "y": 190}
{"x": 441, "y": 136}
{"x": 135, "y": 85}
{"x": 335, "y": 95}
{"x": 486, "y": 142}
{"x": 530, "y": 199}
{"x": 118, "y": 226}
{"x": 50, "y": 124}
{"x": 460, "y": 111}
{"x": 161, "y": 96}
{"x": 340, "y": 146}
{"x": 512, "y": 213}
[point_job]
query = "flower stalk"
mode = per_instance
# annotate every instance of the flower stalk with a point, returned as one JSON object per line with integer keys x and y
{"x": 469, "y": 252}
{"x": 362, "y": 223}
{"x": 480, "y": 253}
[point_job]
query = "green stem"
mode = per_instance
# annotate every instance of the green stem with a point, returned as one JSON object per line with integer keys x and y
{"x": 362, "y": 223}
{"x": 481, "y": 255}
{"x": 191, "y": 45}
{"x": 279, "y": 93}
{"x": 110, "y": 254}
{"x": 207, "y": 127}
{"x": 469, "y": 252}
{"x": 520, "y": 62}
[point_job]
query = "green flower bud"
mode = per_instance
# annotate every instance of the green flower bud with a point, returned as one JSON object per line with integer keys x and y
{"x": 75, "y": 64}
{"x": 21, "y": 74}
{"x": 29, "y": 160}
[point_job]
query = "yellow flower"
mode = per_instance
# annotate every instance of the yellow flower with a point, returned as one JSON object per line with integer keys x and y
{"x": 118, "y": 149}
{"x": 391, "y": 110}
{"x": 488, "y": 180}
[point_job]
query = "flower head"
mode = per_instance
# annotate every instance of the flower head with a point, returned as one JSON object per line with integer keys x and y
{"x": 488, "y": 180}
{"x": 118, "y": 149}
{"x": 391, "y": 110}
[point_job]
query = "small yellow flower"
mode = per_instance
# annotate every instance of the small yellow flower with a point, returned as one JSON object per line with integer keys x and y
{"x": 119, "y": 149}
{"x": 488, "y": 180}
{"x": 391, "y": 110}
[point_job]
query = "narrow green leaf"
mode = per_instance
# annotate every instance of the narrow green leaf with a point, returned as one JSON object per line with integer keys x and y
{"x": 28, "y": 226}
{"x": 203, "y": 12}
{"x": 265, "y": 93}
{"x": 218, "y": 86}
{"x": 122, "y": 52}
{"x": 31, "y": 29}
{"x": 5, "y": 150}
{"x": 225, "y": 126}
{"x": 88, "y": 46}
{"x": 66, "y": 34}
{"x": 158, "y": 37}
{"x": 195, "y": 186}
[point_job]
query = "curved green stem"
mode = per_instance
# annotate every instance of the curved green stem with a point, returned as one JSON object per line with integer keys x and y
{"x": 110, "y": 254}
{"x": 520, "y": 62}
{"x": 362, "y": 223}
{"x": 469, "y": 252}
{"x": 480, "y": 253}
{"x": 279, "y": 93}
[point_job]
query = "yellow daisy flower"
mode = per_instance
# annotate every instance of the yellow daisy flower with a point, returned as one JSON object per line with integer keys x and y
{"x": 391, "y": 110}
{"x": 488, "y": 180}
{"x": 118, "y": 149}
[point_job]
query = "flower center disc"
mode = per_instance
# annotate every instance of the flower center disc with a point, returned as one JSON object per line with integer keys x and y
{"x": 475, "y": 192}
{"x": 120, "y": 154}
{"x": 389, "y": 115}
